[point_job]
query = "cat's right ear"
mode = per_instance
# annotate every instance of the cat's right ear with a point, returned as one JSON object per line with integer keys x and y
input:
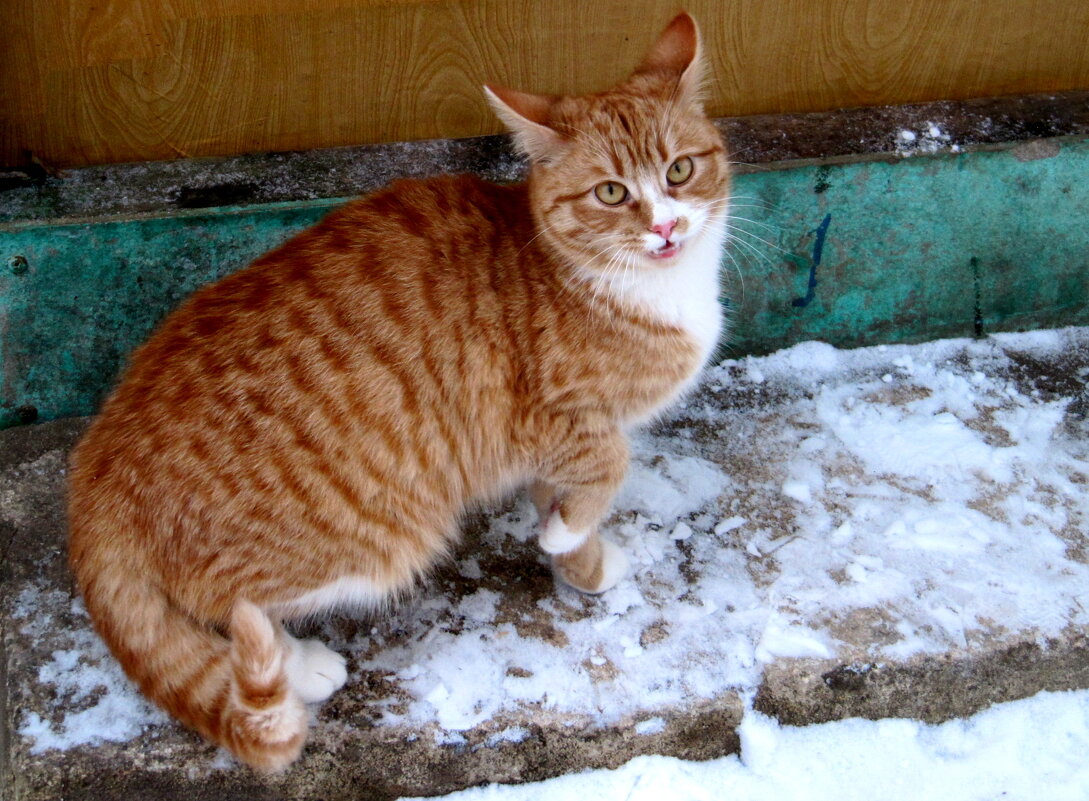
{"x": 678, "y": 52}
{"x": 526, "y": 115}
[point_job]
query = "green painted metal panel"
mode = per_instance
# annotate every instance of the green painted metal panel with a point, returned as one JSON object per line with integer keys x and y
{"x": 914, "y": 249}
{"x": 853, "y": 254}
{"x": 80, "y": 297}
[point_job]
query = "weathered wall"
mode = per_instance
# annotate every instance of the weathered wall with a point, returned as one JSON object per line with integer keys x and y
{"x": 132, "y": 80}
{"x": 853, "y": 254}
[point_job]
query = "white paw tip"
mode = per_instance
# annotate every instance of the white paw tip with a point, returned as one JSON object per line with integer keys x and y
{"x": 614, "y": 565}
{"x": 558, "y": 538}
{"x": 315, "y": 671}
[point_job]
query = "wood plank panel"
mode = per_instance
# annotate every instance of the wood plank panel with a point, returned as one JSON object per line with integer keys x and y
{"x": 124, "y": 80}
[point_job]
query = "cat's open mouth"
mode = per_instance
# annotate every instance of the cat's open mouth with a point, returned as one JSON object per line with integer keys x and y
{"x": 666, "y": 251}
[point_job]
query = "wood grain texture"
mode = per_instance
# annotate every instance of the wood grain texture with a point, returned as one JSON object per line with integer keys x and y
{"x": 124, "y": 80}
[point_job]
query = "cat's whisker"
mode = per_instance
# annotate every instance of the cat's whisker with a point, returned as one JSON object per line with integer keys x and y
{"x": 735, "y": 218}
{"x": 616, "y": 279}
{"x": 755, "y": 167}
{"x": 741, "y": 260}
{"x": 632, "y": 268}
{"x": 539, "y": 234}
{"x": 767, "y": 230}
{"x": 614, "y": 272}
{"x": 752, "y": 250}
{"x": 733, "y": 204}
{"x": 616, "y": 250}
{"x": 737, "y": 268}
{"x": 604, "y": 278}
{"x": 760, "y": 223}
{"x": 746, "y": 251}
{"x": 732, "y": 201}
{"x": 739, "y": 238}
{"x": 757, "y": 202}
{"x": 721, "y": 213}
{"x": 770, "y": 232}
{"x": 736, "y": 232}
{"x": 597, "y": 283}
{"x": 729, "y": 207}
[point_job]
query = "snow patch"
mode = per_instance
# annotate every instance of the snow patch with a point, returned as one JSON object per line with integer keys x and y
{"x": 1011, "y": 750}
{"x": 822, "y": 511}
{"x": 101, "y": 704}
{"x": 926, "y": 139}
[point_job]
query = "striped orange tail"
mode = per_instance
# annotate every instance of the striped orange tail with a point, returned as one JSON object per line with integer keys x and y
{"x": 233, "y": 690}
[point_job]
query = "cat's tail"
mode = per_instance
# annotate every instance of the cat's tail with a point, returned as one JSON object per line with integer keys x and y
{"x": 233, "y": 690}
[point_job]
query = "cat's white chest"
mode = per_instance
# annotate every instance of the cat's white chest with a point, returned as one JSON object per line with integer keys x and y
{"x": 698, "y": 308}
{"x": 686, "y": 294}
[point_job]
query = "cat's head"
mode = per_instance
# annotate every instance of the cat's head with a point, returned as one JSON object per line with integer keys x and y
{"x": 631, "y": 176}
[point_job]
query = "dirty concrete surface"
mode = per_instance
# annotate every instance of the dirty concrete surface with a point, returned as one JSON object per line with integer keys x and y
{"x": 763, "y": 541}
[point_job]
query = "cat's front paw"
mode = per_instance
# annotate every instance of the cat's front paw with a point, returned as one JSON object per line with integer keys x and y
{"x": 314, "y": 670}
{"x": 557, "y": 538}
{"x": 593, "y": 569}
{"x": 614, "y": 566}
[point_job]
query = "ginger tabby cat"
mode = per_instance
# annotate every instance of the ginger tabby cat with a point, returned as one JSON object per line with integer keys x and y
{"x": 303, "y": 435}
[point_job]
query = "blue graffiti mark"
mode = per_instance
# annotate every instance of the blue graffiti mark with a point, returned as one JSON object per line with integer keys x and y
{"x": 818, "y": 252}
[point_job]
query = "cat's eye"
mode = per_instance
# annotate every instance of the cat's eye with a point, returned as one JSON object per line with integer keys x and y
{"x": 679, "y": 171}
{"x": 611, "y": 193}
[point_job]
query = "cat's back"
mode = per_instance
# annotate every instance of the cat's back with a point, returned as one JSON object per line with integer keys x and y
{"x": 352, "y": 320}
{"x": 452, "y": 221}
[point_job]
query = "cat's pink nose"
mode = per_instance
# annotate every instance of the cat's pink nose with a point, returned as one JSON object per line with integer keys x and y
{"x": 664, "y": 229}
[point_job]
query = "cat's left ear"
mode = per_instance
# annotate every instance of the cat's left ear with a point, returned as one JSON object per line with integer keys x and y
{"x": 526, "y": 115}
{"x": 678, "y": 52}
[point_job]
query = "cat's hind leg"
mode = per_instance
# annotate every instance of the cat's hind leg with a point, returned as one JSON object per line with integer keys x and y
{"x": 314, "y": 670}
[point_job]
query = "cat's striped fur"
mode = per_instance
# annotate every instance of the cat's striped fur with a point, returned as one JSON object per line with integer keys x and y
{"x": 305, "y": 433}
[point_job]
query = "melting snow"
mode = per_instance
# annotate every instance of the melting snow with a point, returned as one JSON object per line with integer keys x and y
{"x": 929, "y": 138}
{"x": 99, "y": 702}
{"x": 1020, "y": 751}
{"x": 793, "y": 493}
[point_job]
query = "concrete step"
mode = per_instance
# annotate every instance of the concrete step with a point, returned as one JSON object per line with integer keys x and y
{"x": 895, "y": 531}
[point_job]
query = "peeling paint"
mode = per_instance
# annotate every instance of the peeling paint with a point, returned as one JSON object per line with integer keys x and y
{"x": 1036, "y": 149}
